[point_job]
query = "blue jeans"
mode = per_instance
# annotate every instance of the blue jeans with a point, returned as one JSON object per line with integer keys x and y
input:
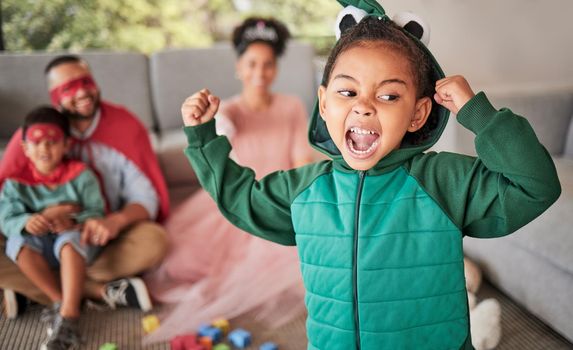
{"x": 50, "y": 246}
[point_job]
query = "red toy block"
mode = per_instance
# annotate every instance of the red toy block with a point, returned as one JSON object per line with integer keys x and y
{"x": 185, "y": 342}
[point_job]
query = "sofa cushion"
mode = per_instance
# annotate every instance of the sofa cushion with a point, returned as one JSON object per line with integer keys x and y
{"x": 174, "y": 164}
{"x": 550, "y": 236}
{"x": 123, "y": 78}
{"x": 535, "y": 265}
{"x": 549, "y": 114}
{"x": 176, "y": 74}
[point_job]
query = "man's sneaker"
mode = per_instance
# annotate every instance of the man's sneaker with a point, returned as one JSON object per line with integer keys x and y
{"x": 65, "y": 334}
{"x": 14, "y": 304}
{"x": 127, "y": 292}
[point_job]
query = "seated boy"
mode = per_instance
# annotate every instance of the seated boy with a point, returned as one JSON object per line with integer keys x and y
{"x": 37, "y": 243}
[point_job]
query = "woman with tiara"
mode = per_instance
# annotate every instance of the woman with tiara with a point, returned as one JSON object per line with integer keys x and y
{"x": 213, "y": 269}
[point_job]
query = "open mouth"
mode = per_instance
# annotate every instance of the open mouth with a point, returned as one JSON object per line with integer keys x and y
{"x": 362, "y": 143}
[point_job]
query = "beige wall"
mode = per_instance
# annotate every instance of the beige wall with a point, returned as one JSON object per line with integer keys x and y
{"x": 502, "y": 45}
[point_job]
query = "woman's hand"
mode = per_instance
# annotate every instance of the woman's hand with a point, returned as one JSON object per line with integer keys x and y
{"x": 199, "y": 108}
{"x": 453, "y": 92}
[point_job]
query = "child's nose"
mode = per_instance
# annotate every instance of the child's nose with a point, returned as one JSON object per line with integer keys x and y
{"x": 363, "y": 107}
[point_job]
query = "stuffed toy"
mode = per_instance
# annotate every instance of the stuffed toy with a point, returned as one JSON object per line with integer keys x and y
{"x": 485, "y": 317}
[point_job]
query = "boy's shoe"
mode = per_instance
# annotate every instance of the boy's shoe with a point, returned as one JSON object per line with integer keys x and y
{"x": 65, "y": 334}
{"x": 14, "y": 304}
{"x": 49, "y": 315}
{"x": 127, "y": 292}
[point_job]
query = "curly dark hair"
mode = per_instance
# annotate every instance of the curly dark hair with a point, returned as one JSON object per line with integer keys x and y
{"x": 372, "y": 30}
{"x": 49, "y": 115}
{"x": 241, "y": 40}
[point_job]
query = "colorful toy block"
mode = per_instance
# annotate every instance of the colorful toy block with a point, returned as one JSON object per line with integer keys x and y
{"x": 150, "y": 323}
{"x": 184, "y": 342}
{"x": 221, "y": 346}
{"x": 240, "y": 338}
{"x": 108, "y": 346}
{"x": 212, "y": 332}
{"x": 269, "y": 346}
{"x": 222, "y": 324}
{"x": 202, "y": 329}
{"x": 206, "y": 342}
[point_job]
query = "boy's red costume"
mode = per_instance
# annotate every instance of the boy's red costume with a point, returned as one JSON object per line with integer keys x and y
{"x": 118, "y": 129}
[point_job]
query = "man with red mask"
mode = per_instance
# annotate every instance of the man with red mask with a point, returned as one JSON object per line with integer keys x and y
{"x": 116, "y": 146}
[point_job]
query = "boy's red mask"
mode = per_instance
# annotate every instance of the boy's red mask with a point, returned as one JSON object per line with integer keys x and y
{"x": 44, "y": 131}
{"x": 70, "y": 88}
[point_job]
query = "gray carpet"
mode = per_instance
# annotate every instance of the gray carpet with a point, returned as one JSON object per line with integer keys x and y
{"x": 521, "y": 330}
{"x": 123, "y": 327}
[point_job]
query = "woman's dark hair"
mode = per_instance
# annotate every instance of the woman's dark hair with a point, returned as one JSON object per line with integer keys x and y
{"x": 371, "y": 30}
{"x": 46, "y": 114}
{"x": 262, "y": 30}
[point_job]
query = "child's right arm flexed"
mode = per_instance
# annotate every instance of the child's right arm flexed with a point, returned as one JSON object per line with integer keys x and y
{"x": 199, "y": 108}
{"x": 262, "y": 207}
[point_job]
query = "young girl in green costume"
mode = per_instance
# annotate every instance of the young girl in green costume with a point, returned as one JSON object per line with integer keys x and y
{"x": 379, "y": 227}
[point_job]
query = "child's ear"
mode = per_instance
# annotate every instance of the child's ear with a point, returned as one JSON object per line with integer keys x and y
{"x": 24, "y": 145}
{"x": 321, "y": 100}
{"x": 421, "y": 114}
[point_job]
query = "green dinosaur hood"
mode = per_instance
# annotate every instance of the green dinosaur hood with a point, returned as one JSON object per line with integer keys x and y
{"x": 320, "y": 138}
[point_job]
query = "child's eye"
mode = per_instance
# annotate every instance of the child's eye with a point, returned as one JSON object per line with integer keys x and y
{"x": 389, "y": 97}
{"x": 347, "y": 93}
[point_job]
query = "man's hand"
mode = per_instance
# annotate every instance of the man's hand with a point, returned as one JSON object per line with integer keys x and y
{"x": 199, "y": 108}
{"x": 99, "y": 231}
{"x": 453, "y": 93}
{"x": 61, "y": 216}
{"x": 37, "y": 225}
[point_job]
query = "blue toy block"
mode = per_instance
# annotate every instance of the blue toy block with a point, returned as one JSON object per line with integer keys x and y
{"x": 269, "y": 346}
{"x": 202, "y": 329}
{"x": 212, "y": 332}
{"x": 240, "y": 338}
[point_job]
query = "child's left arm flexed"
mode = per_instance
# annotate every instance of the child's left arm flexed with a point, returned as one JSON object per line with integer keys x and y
{"x": 512, "y": 180}
{"x": 259, "y": 207}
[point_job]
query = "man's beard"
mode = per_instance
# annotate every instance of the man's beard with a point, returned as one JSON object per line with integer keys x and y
{"x": 74, "y": 116}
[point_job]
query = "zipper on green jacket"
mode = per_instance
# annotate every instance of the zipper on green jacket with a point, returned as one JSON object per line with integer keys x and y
{"x": 355, "y": 257}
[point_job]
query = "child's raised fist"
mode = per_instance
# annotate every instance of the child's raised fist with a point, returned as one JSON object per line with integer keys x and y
{"x": 199, "y": 108}
{"x": 453, "y": 92}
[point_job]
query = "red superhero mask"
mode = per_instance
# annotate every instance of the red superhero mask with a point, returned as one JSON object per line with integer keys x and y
{"x": 70, "y": 88}
{"x": 44, "y": 131}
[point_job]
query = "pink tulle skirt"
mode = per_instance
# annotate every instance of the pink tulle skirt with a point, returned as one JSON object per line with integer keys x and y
{"x": 214, "y": 269}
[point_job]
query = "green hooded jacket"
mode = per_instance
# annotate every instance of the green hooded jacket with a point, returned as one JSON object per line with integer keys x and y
{"x": 381, "y": 250}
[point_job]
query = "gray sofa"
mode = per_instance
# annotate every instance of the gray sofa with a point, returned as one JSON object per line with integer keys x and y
{"x": 153, "y": 88}
{"x": 534, "y": 265}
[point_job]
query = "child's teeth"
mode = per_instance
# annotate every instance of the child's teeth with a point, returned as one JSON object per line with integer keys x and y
{"x": 361, "y": 131}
